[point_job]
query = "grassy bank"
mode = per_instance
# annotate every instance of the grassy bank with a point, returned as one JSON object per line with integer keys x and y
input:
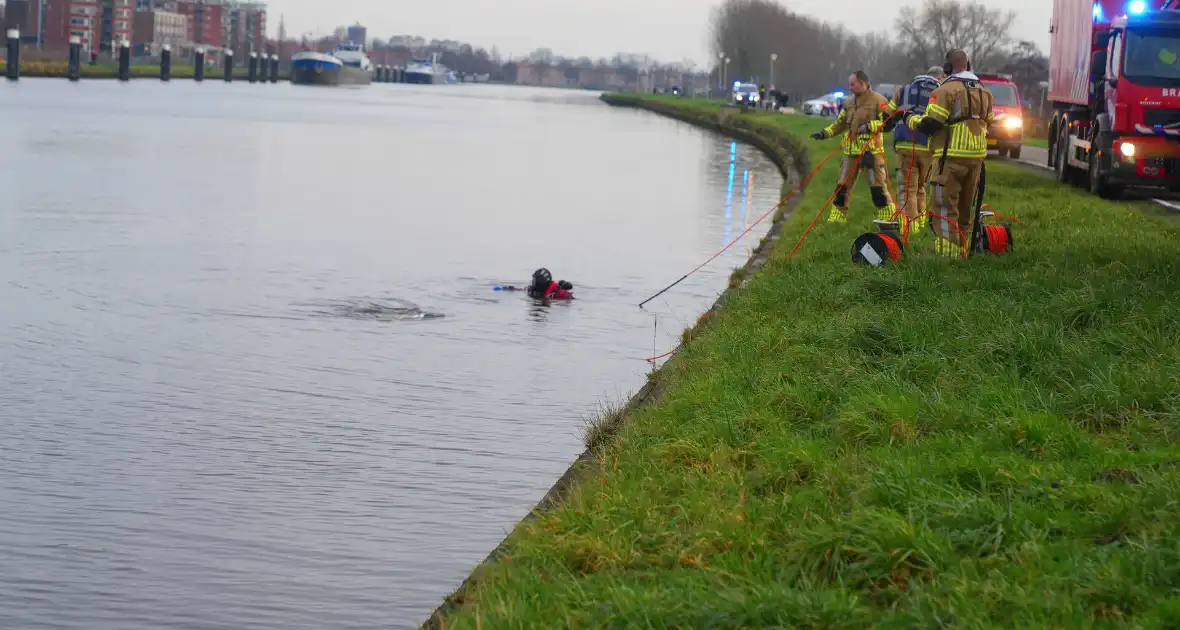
{"x": 59, "y": 70}
{"x": 982, "y": 443}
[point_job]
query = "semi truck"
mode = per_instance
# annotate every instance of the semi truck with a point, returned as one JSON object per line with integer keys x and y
{"x": 1114, "y": 84}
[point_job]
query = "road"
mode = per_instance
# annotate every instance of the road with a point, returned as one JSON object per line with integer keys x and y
{"x": 1038, "y": 157}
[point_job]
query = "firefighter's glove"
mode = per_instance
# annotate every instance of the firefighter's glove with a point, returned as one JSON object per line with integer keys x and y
{"x": 819, "y": 135}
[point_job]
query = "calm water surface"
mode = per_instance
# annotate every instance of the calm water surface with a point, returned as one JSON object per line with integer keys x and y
{"x": 255, "y": 375}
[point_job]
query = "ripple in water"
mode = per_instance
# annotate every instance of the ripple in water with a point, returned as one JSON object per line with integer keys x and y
{"x": 383, "y": 310}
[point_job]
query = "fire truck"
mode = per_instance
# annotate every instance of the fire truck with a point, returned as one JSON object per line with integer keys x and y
{"x": 1114, "y": 82}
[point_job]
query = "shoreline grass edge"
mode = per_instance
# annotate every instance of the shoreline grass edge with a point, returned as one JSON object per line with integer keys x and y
{"x": 792, "y": 160}
{"x": 970, "y": 443}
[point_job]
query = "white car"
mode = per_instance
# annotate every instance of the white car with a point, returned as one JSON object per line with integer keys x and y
{"x": 826, "y": 105}
{"x": 745, "y": 94}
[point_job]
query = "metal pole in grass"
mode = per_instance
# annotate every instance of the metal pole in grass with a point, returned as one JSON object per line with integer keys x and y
{"x": 166, "y": 63}
{"x": 74, "y": 66}
{"x": 13, "y": 71}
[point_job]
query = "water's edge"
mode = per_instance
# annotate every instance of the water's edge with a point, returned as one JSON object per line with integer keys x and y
{"x": 791, "y": 158}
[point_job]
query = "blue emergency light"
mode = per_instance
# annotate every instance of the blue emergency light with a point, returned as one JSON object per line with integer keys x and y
{"x": 1098, "y": 16}
{"x": 1137, "y": 7}
{"x": 838, "y": 94}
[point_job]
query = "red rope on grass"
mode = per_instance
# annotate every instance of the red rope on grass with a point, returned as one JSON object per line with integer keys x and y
{"x": 838, "y": 189}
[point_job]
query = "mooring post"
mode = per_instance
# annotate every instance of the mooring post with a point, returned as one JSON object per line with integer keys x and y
{"x": 124, "y": 60}
{"x": 274, "y": 68}
{"x": 229, "y": 66}
{"x": 253, "y": 67}
{"x": 74, "y": 68}
{"x": 199, "y": 66}
{"x": 166, "y": 63}
{"x": 13, "y": 71}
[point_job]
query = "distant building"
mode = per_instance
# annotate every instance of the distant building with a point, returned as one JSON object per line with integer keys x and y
{"x": 358, "y": 34}
{"x": 223, "y": 24}
{"x": 72, "y": 18}
{"x": 154, "y": 29}
{"x": 601, "y": 78}
{"x": 116, "y": 23}
{"x": 407, "y": 41}
{"x": 205, "y": 22}
{"x": 541, "y": 74}
{"x": 247, "y": 27}
{"x": 22, "y": 16}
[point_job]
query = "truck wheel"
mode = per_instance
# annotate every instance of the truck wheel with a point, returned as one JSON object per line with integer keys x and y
{"x": 1061, "y": 161}
{"x": 1099, "y": 183}
{"x": 1014, "y": 153}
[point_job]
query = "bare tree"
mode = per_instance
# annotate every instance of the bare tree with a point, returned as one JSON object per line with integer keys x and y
{"x": 813, "y": 57}
{"x": 940, "y": 25}
{"x": 1028, "y": 67}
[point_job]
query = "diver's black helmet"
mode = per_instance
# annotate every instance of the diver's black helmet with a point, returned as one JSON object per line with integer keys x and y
{"x": 542, "y": 277}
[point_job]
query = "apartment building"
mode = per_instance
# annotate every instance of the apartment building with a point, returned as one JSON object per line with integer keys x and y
{"x": 240, "y": 26}
{"x": 116, "y": 22}
{"x": 155, "y": 28}
{"x": 73, "y": 18}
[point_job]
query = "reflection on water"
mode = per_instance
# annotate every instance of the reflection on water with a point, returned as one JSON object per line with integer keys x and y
{"x": 256, "y": 375}
{"x": 755, "y": 182}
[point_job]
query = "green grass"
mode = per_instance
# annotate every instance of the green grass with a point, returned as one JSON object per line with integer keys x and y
{"x": 981, "y": 443}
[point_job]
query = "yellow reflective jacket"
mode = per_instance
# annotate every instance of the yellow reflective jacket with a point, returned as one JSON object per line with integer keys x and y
{"x": 867, "y": 111}
{"x": 960, "y": 110}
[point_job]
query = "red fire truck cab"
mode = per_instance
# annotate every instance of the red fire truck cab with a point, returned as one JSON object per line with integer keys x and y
{"x": 1114, "y": 81}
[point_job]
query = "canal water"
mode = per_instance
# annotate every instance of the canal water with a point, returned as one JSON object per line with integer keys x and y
{"x": 255, "y": 372}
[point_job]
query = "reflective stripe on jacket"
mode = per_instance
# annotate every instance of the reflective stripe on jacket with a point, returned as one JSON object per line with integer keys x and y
{"x": 867, "y": 110}
{"x": 964, "y": 109}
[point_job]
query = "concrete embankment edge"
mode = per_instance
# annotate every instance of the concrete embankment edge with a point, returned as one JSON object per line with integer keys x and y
{"x": 789, "y": 155}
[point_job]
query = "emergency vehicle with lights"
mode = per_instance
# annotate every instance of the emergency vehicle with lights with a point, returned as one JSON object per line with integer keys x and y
{"x": 1114, "y": 82}
{"x": 1006, "y": 134}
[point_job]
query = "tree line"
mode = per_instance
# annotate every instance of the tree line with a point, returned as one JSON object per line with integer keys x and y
{"x": 815, "y": 57}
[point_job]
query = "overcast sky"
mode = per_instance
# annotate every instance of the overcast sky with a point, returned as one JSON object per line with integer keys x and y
{"x": 669, "y": 30}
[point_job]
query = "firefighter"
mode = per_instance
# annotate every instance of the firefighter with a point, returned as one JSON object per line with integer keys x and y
{"x": 912, "y": 148}
{"x": 862, "y": 116}
{"x": 956, "y": 120}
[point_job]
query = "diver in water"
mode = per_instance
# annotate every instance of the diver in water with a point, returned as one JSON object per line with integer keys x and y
{"x": 544, "y": 287}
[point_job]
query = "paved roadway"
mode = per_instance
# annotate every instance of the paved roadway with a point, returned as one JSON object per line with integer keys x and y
{"x": 1038, "y": 157}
